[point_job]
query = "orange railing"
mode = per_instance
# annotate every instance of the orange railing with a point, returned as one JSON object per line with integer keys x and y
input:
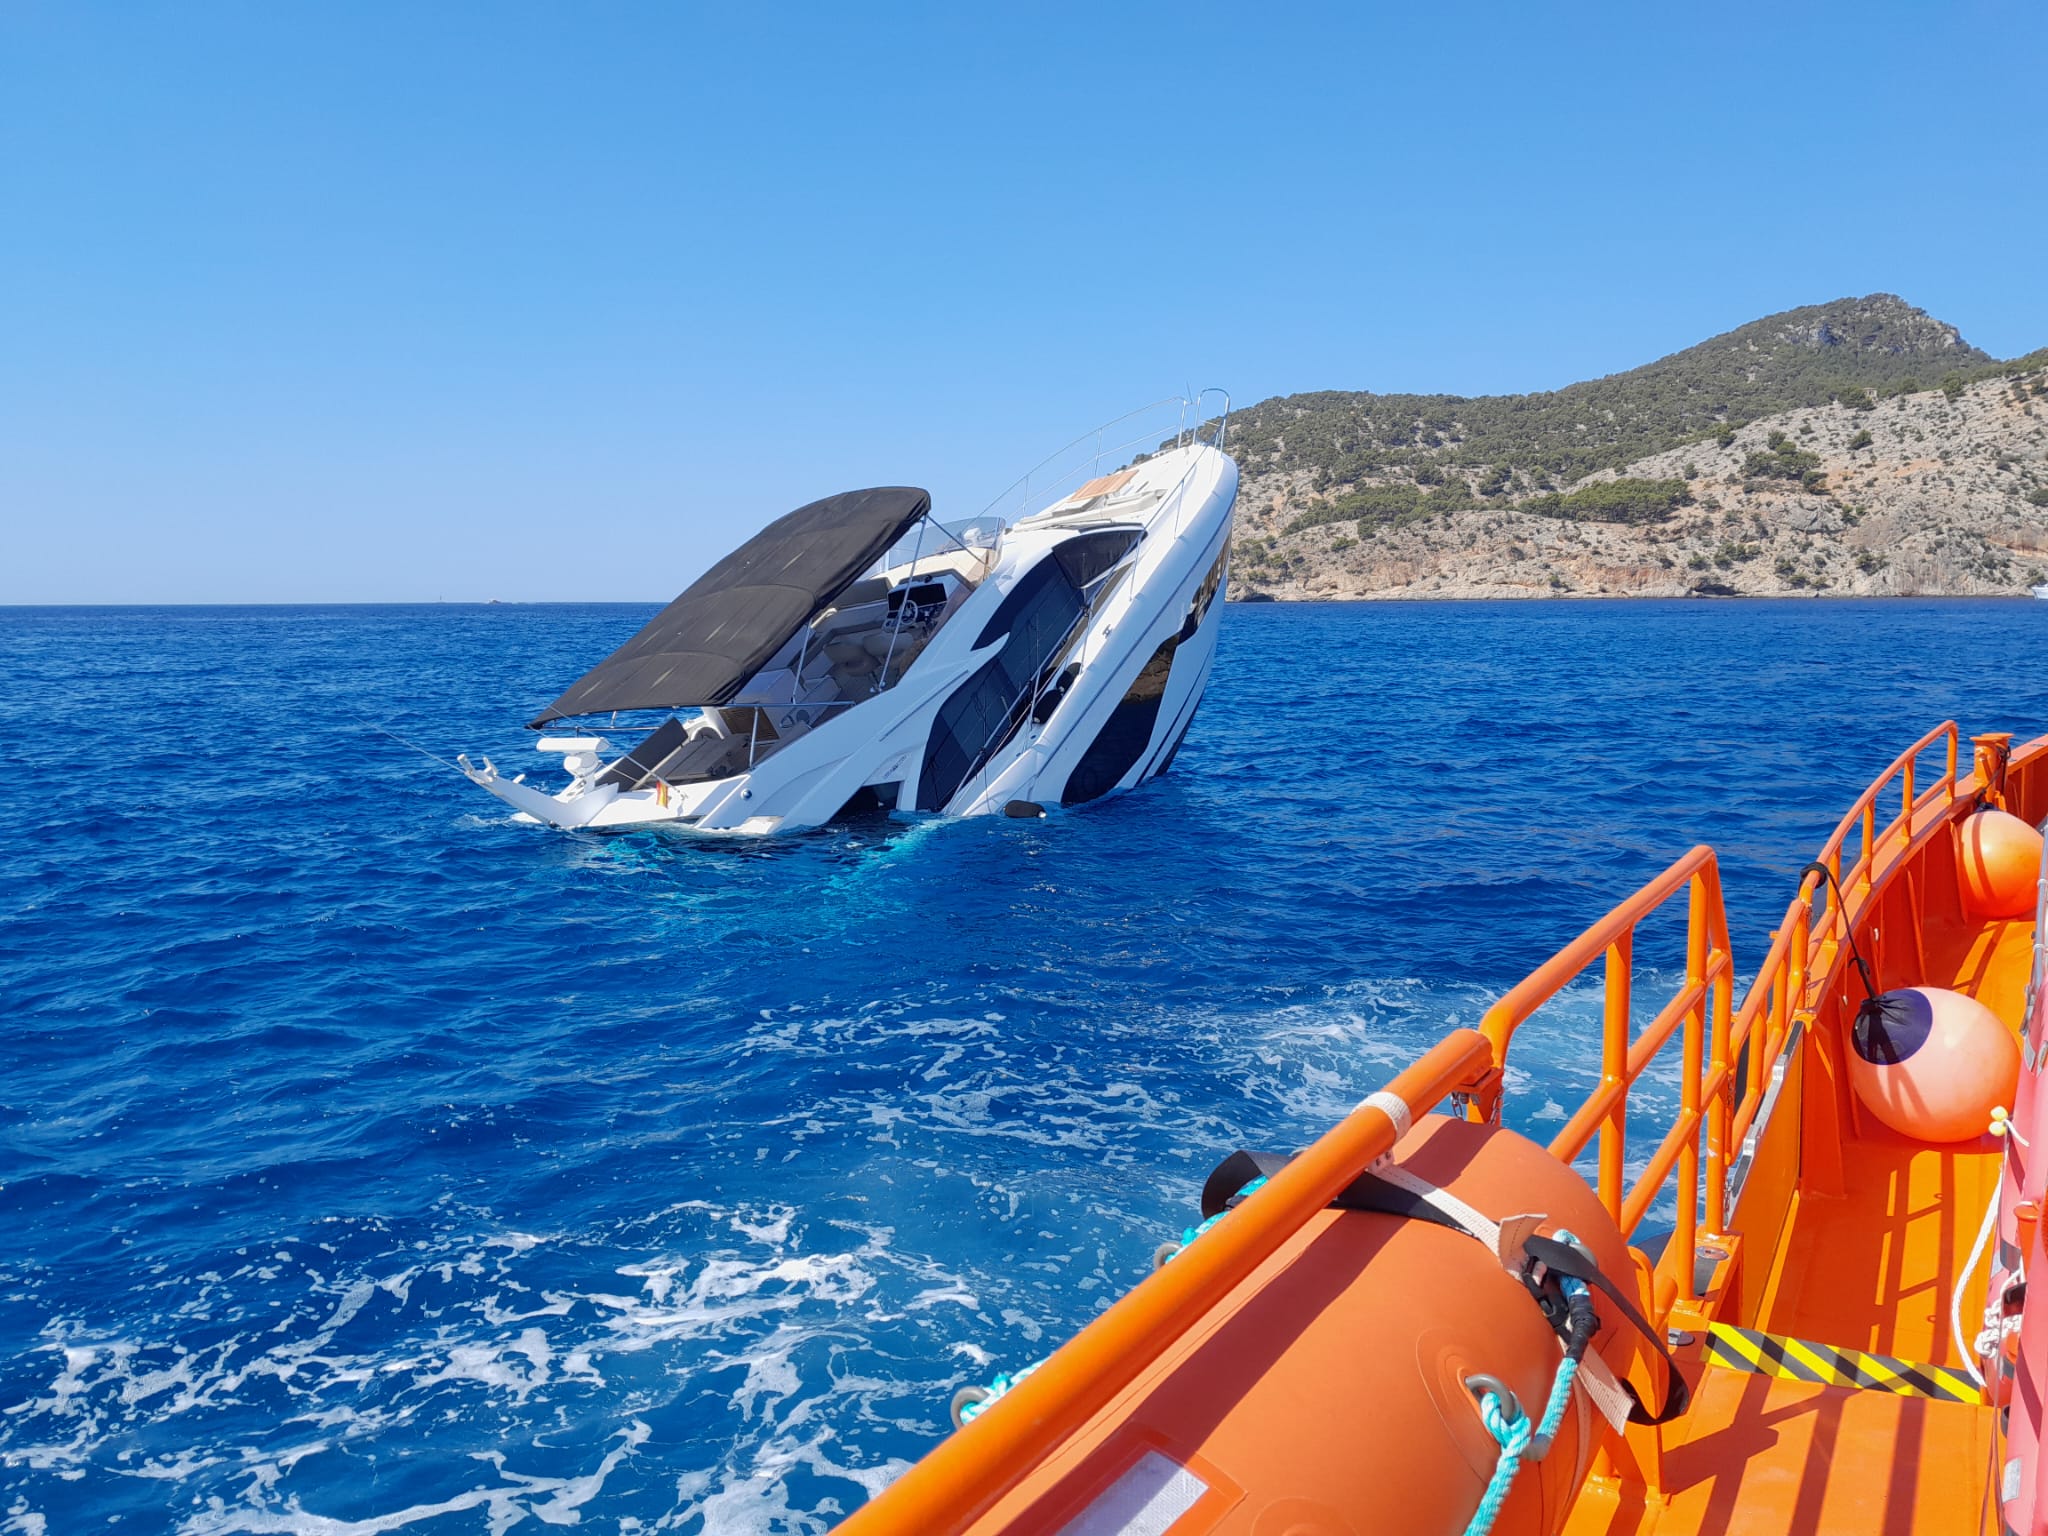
{"x": 1861, "y": 817}
{"x": 1714, "y": 1095}
{"x": 1699, "y": 1013}
{"x": 967, "y": 1474}
{"x": 1799, "y": 951}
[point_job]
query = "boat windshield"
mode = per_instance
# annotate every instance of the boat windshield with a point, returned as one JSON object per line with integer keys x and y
{"x": 853, "y": 648}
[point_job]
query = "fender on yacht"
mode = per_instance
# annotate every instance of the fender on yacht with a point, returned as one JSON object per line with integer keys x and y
{"x": 859, "y": 656}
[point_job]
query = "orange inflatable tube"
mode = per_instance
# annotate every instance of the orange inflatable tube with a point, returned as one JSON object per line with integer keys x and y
{"x": 1331, "y": 1392}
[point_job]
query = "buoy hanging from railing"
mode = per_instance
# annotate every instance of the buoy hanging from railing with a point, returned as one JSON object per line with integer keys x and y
{"x": 1932, "y": 1064}
{"x": 1998, "y": 860}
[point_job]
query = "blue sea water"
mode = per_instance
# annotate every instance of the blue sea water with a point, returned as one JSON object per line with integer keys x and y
{"x": 371, "y": 1163}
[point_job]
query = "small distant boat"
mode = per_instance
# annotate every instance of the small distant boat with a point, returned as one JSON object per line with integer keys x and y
{"x": 2040, "y": 591}
{"x": 858, "y": 655}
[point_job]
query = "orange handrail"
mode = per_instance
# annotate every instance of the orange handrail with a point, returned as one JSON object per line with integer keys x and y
{"x": 1700, "y": 1010}
{"x": 1799, "y": 951}
{"x": 968, "y": 1474}
{"x": 1862, "y": 814}
{"x": 1714, "y": 1040}
{"x": 1775, "y": 998}
{"x": 964, "y": 1475}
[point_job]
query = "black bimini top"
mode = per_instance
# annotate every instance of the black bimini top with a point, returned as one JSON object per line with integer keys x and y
{"x": 702, "y": 648}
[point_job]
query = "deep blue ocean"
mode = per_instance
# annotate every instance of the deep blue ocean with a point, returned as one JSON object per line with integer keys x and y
{"x": 371, "y": 1163}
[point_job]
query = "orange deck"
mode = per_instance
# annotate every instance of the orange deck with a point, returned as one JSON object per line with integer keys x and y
{"x": 1874, "y": 1268}
{"x": 1796, "y": 1213}
{"x": 1763, "y": 1456}
{"x": 1871, "y": 1268}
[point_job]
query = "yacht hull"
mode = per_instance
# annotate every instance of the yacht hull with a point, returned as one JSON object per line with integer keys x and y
{"x": 1052, "y": 682}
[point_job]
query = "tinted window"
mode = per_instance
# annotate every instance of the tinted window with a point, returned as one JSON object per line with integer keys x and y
{"x": 1118, "y": 745}
{"x": 1087, "y": 557}
{"x": 1205, "y": 595}
{"x": 1042, "y": 588}
{"x": 1125, "y": 735}
{"x": 1038, "y": 615}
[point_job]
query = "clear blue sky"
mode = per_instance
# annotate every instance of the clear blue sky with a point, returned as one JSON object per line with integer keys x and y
{"x": 406, "y": 301}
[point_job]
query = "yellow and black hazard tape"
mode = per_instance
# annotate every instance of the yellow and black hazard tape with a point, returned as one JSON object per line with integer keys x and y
{"x": 1772, "y": 1354}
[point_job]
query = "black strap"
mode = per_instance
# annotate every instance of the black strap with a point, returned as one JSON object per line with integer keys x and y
{"x": 1563, "y": 1259}
{"x": 1370, "y": 1193}
{"x": 1842, "y": 907}
{"x": 1365, "y": 1193}
{"x": 1219, "y": 1191}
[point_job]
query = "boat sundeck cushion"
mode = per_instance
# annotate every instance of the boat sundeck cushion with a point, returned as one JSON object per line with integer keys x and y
{"x": 702, "y": 648}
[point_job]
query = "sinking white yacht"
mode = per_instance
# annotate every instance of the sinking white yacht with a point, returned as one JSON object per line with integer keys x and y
{"x": 857, "y": 655}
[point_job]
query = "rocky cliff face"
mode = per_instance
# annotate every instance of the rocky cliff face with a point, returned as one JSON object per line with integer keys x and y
{"x": 1923, "y": 491}
{"x": 1883, "y": 324}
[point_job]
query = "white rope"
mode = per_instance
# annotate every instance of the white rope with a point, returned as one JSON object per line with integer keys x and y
{"x": 1955, "y": 1301}
{"x": 423, "y": 752}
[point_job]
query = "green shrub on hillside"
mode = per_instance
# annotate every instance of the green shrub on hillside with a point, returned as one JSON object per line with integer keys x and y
{"x": 1379, "y": 502}
{"x": 1732, "y": 553}
{"x": 1314, "y": 517}
{"x": 1454, "y": 495}
{"x": 1804, "y": 357}
{"x": 1381, "y": 506}
{"x": 1856, "y": 399}
{"x": 1783, "y": 460}
{"x": 1373, "y": 506}
{"x": 1615, "y": 501}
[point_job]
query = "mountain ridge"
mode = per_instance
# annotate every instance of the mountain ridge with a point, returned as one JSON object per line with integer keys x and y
{"x": 1438, "y": 477}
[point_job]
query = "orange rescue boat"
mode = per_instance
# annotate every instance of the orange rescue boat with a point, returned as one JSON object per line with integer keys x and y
{"x": 1800, "y": 1307}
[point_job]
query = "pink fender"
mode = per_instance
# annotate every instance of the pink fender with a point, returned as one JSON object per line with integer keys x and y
{"x": 2017, "y": 1375}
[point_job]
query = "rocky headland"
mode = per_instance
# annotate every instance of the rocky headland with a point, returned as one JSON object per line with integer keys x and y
{"x": 1859, "y": 448}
